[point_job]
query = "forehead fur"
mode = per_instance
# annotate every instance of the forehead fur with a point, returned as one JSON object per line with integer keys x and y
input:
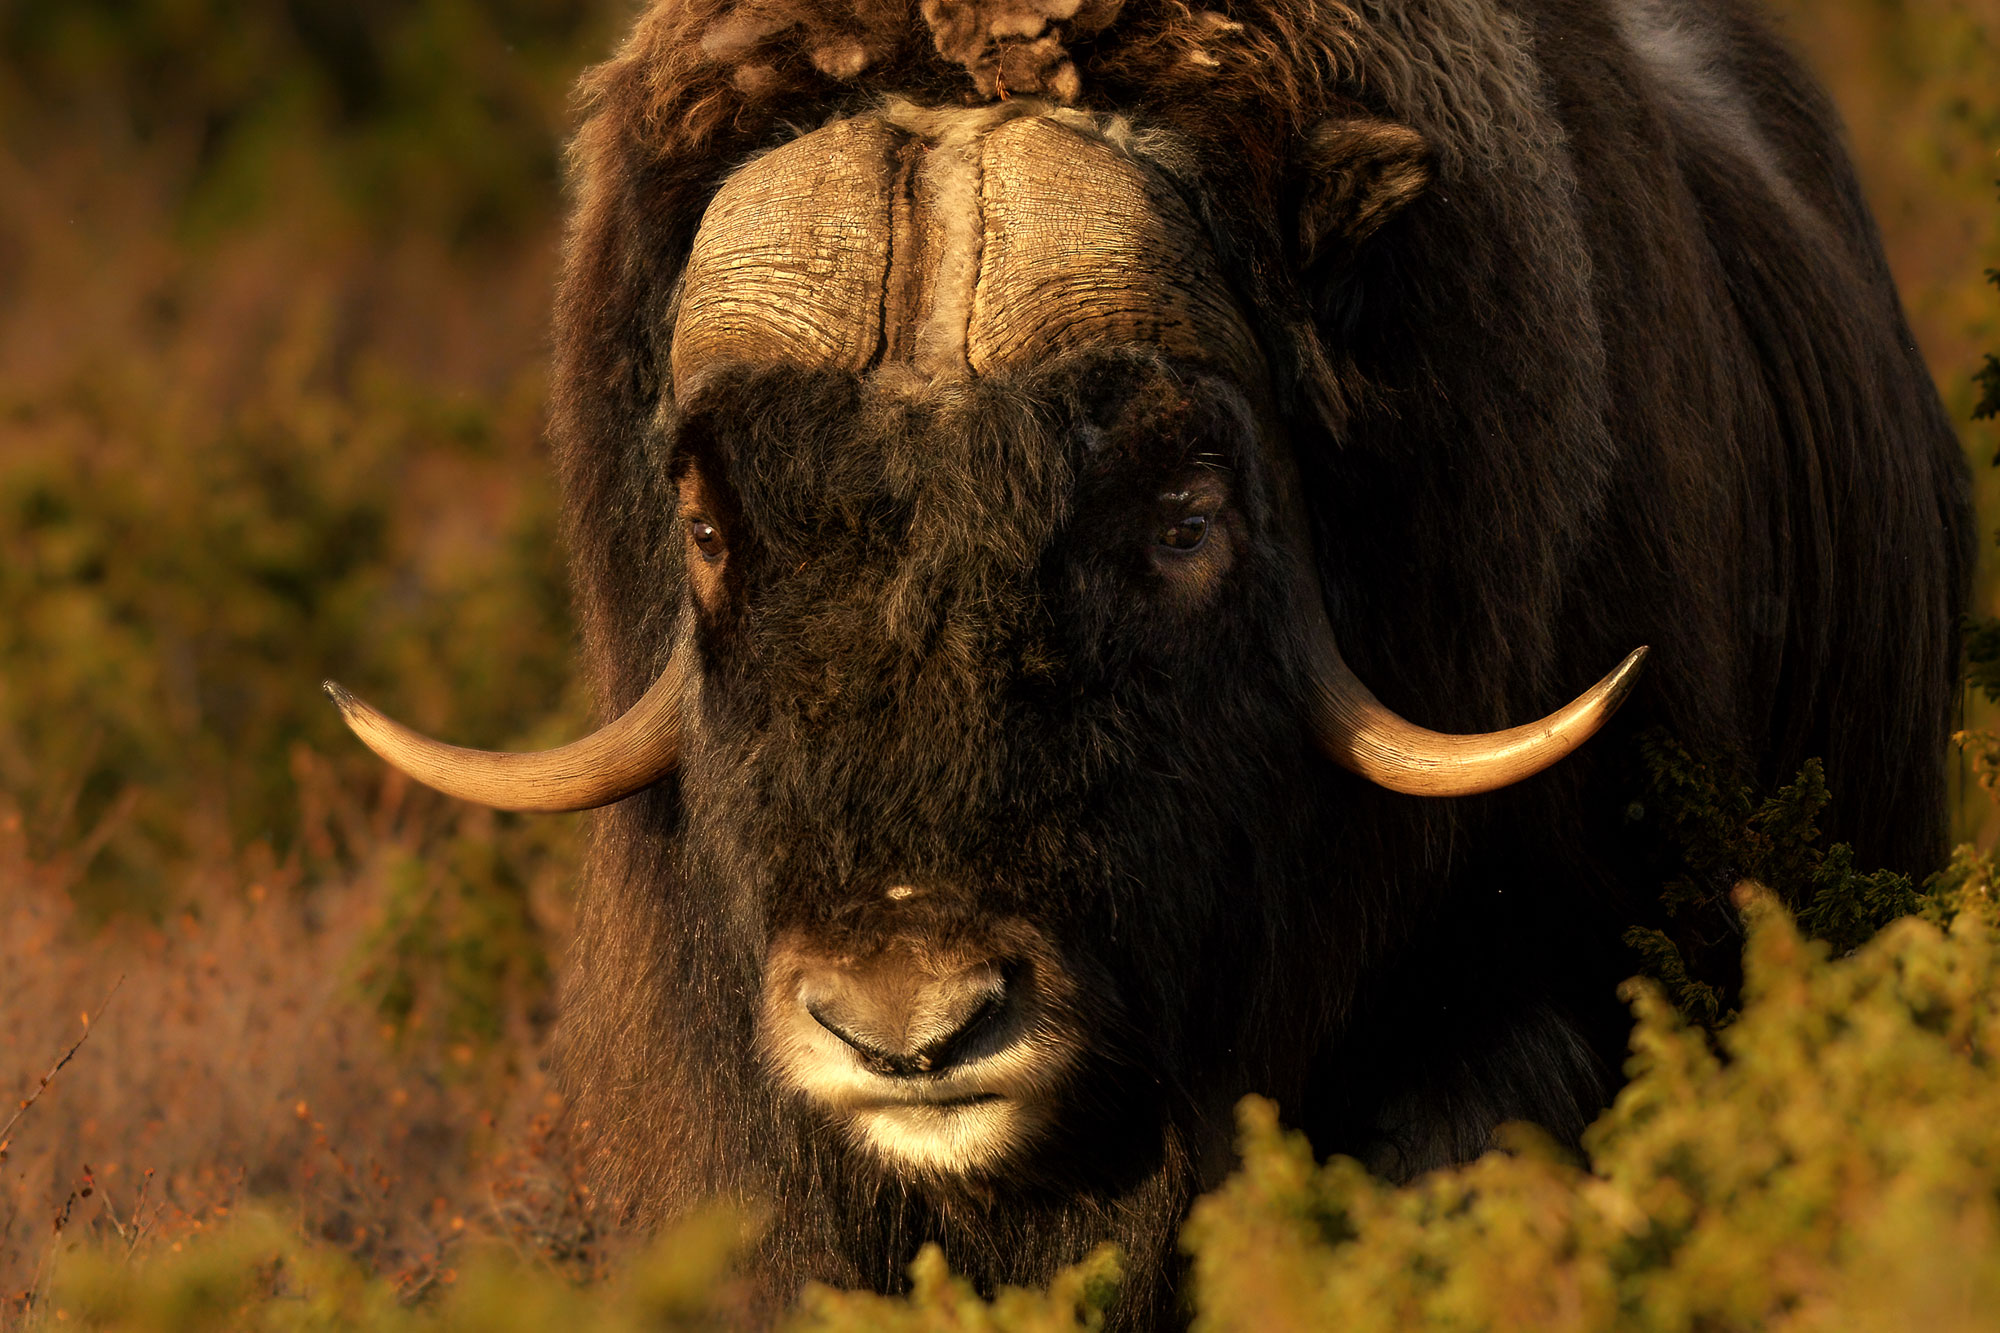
{"x": 816, "y": 452}
{"x": 894, "y": 527}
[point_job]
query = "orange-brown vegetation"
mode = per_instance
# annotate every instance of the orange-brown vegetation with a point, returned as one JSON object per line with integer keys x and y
{"x": 245, "y": 1054}
{"x": 270, "y": 409}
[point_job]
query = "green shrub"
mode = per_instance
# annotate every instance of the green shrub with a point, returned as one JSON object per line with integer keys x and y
{"x": 1835, "y": 1164}
{"x": 258, "y": 1275}
{"x": 1712, "y": 834}
{"x": 273, "y": 283}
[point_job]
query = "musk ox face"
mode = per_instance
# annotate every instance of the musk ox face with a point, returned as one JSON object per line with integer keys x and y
{"x": 983, "y": 681}
{"x": 999, "y": 657}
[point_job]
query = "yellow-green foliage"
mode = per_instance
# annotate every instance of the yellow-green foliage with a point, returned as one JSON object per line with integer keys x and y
{"x": 258, "y": 1276}
{"x": 273, "y": 281}
{"x": 1835, "y": 1165}
{"x": 938, "y": 1301}
{"x": 1830, "y": 1162}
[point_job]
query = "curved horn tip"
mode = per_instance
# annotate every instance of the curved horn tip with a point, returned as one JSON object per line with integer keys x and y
{"x": 353, "y": 709}
{"x": 1357, "y": 732}
{"x": 1624, "y": 676}
{"x": 611, "y": 763}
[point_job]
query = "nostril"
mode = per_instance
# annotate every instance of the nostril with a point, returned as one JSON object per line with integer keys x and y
{"x": 949, "y": 1048}
{"x": 873, "y": 1054}
{"x": 908, "y": 1026}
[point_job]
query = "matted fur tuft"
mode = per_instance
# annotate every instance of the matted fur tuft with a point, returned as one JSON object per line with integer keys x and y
{"x": 1017, "y": 47}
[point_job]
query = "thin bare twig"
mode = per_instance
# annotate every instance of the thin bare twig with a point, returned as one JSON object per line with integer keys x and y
{"x": 128, "y": 1230}
{"x": 111, "y": 1211}
{"x": 7, "y": 1130}
{"x": 139, "y": 1214}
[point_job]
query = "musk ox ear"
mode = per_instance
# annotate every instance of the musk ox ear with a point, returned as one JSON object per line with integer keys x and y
{"x": 1359, "y": 172}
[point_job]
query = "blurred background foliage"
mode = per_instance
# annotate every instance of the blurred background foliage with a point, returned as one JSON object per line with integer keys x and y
{"x": 273, "y": 286}
{"x": 274, "y": 291}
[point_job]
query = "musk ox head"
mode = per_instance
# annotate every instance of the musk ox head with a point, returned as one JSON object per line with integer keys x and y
{"x": 1002, "y": 682}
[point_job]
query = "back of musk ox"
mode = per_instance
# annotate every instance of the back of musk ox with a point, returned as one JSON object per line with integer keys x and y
{"x": 981, "y": 420}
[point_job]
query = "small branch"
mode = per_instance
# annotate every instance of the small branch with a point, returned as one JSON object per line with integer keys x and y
{"x": 139, "y": 1214}
{"x": 111, "y": 1211}
{"x": 131, "y": 1229}
{"x": 7, "y": 1130}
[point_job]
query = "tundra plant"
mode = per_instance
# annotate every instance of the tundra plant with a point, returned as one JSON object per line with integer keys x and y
{"x": 1830, "y": 1161}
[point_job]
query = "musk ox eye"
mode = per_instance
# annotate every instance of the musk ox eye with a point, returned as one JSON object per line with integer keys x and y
{"x": 1184, "y": 533}
{"x": 707, "y": 541}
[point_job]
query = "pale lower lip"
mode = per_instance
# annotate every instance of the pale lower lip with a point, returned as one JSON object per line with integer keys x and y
{"x": 952, "y": 1104}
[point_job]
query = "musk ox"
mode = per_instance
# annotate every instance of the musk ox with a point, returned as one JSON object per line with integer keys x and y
{"x": 998, "y": 439}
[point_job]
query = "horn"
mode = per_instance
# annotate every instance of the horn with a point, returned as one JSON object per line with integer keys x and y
{"x": 608, "y": 765}
{"x": 1359, "y": 733}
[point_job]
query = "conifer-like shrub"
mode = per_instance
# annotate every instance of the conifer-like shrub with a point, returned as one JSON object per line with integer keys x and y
{"x": 1713, "y": 832}
{"x": 1832, "y": 1161}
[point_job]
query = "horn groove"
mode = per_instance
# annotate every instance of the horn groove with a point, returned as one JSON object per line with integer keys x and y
{"x": 616, "y": 760}
{"x": 1358, "y": 732}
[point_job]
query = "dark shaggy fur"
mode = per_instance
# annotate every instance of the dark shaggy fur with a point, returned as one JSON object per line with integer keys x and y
{"x": 1627, "y": 369}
